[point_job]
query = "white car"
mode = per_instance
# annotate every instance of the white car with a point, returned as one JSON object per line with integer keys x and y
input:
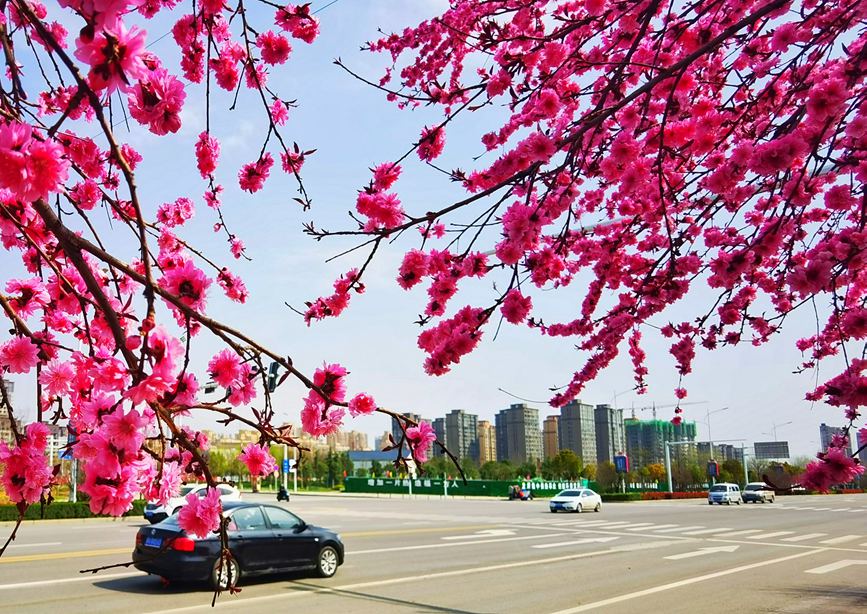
{"x": 724, "y": 492}
{"x": 576, "y": 500}
{"x": 154, "y": 512}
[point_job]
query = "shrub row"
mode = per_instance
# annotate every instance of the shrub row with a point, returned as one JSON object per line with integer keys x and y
{"x": 656, "y": 495}
{"x": 621, "y": 496}
{"x": 61, "y": 509}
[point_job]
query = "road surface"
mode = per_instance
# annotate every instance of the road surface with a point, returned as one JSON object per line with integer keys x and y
{"x": 801, "y": 554}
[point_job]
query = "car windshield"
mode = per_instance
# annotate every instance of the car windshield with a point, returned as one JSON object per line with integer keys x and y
{"x": 569, "y": 493}
{"x": 718, "y": 488}
{"x": 186, "y": 490}
{"x": 755, "y": 487}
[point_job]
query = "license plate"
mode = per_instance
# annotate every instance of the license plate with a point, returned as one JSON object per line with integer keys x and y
{"x": 153, "y": 542}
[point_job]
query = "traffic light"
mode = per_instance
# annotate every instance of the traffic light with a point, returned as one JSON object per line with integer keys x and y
{"x": 272, "y": 377}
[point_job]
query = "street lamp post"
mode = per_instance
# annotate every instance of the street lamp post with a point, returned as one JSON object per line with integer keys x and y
{"x": 778, "y": 425}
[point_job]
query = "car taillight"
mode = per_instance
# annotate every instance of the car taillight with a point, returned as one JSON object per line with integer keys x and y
{"x": 139, "y": 539}
{"x": 184, "y": 544}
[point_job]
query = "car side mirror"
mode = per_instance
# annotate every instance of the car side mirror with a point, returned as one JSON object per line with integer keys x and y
{"x": 300, "y": 528}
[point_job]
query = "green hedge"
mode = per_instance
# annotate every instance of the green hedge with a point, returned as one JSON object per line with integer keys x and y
{"x": 61, "y": 509}
{"x": 621, "y": 496}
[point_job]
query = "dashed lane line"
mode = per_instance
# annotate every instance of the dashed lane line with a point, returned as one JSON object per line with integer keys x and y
{"x": 738, "y": 533}
{"x": 707, "y": 531}
{"x": 770, "y": 535}
{"x": 679, "y": 529}
{"x": 801, "y": 538}
{"x": 834, "y": 540}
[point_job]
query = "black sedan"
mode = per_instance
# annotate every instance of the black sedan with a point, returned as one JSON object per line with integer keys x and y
{"x": 263, "y": 539}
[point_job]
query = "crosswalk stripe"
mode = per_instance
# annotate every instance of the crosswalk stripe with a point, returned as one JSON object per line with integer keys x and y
{"x": 636, "y": 525}
{"x": 840, "y": 540}
{"x": 706, "y": 531}
{"x": 614, "y": 525}
{"x": 583, "y": 523}
{"x": 677, "y": 528}
{"x": 652, "y": 527}
{"x": 770, "y": 535}
{"x": 840, "y": 509}
{"x": 737, "y": 533}
{"x": 800, "y": 538}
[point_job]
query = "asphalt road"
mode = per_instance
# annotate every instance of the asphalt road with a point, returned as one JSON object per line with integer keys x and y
{"x": 801, "y": 554}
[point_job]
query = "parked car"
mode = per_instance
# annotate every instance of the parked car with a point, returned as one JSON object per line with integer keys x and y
{"x": 758, "y": 492}
{"x": 724, "y": 493}
{"x": 576, "y": 500}
{"x": 263, "y": 539}
{"x": 154, "y": 512}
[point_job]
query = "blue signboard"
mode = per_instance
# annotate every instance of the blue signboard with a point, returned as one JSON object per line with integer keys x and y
{"x": 285, "y": 465}
{"x": 621, "y": 463}
{"x": 712, "y": 469}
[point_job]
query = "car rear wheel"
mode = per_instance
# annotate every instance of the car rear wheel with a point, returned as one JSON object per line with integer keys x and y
{"x": 327, "y": 562}
{"x": 225, "y": 575}
{"x": 553, "y": 511}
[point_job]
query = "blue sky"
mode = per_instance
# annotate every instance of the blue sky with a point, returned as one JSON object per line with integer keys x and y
{"x": 353, "y": 127}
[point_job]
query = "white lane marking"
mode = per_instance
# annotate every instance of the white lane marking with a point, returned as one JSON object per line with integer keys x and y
{"x": 821, "y": 509}
{"x": 653, "y": 527}
{"x": 586, "y": 523}
{"x": 701, "y": 552}
{"x": 706, "y": 531}
{"x": 840, "y": 509}
{"x": 835, "y": 566}
{"x": 87, "y": 578}
{"x": 636, "y": 525}
{"x": 575, "y": 542}
{"x": 678, "y": 529}
{"x": 735, "y": 533}
{"x": 800, "y": 538}
{"x": 34, "y": 545}
{"x": 403, "y": 580}
{"x": 770, "y": 535}
{"x": 840, "y": 540}
{"x": 685, "y": 582}
{"x": 482, "y": 534}
{"x": 453, "y": 544}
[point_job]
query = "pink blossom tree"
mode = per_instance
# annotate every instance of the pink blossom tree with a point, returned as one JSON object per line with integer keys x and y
{"x": 657, "y": 146}
{"x": 656, "y": 149}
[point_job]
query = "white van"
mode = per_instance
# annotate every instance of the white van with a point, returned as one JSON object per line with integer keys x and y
{"x": 724, "y": 493}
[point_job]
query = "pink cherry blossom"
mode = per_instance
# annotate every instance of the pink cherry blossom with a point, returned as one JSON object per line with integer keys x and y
{"x": 19, "y": 355}
{"x": 201, "y": 515}
{"x": 361, "y": 404}
{"x": 26, "y": 473}
{"x": 114, "y": 56}
{"x": 258, "y": 459}
{"x": 420, "y": 439}
{"x": 225, "y": 368}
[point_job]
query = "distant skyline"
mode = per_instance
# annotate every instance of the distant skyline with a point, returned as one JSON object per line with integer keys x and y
{"x": 352, "y": 128}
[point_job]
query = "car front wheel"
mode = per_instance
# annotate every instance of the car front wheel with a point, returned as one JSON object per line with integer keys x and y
{"x": 598, "y": 507}
{"x": 579, "y": 509}
{"x": 225, "y": 575}
{"x": 328, "y": 562}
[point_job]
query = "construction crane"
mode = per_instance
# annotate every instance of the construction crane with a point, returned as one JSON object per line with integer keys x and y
{"x": 654, "y": 407}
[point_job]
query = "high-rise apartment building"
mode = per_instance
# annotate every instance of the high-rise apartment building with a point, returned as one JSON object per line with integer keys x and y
{"x": 439, "y": 427}
{"x": 550, "y": 440}
{"x": 610, "y": 434}
{"x": 518, "y": 436}
{"x": 487, "y": 442}
{"x": 462, "y": 434}
{"x": 577, "y": 430}
{"x": 645, "y": 439}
